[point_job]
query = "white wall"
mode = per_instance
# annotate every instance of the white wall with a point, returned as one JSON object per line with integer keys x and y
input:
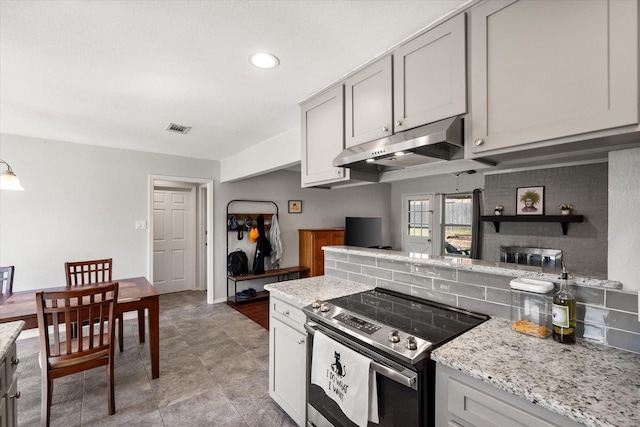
{"x": 624, "y": 226}
{"x": 81, "y": 202}
{"x": 321, "y": 208}
{"x": 275, "y": 153}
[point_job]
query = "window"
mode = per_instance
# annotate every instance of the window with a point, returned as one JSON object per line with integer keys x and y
{"x": 419, "y": 214}
{"x": 458, "y": 211}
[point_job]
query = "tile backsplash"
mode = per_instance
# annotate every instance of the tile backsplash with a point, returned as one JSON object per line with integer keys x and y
{"x": 606, "y": 316}
{"x": 583, "y": 186}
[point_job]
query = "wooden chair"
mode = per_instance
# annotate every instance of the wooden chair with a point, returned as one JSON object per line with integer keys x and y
{"x": 6, "y": 279}
{"x": 94, "y": 271}
{"x": 62, "y": 353}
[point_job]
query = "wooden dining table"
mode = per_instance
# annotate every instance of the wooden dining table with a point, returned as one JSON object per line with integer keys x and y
{"x": 134, "y": 294}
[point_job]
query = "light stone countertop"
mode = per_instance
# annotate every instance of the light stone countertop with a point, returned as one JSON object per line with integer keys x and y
{"x": 305, "y": 291}
{"x": 8, "y": 334}
{"x": 588, "y": 383}
{"x": 506, "y": 269}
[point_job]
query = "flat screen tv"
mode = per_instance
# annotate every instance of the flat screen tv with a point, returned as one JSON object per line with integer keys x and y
{"x": 363, "y": 232}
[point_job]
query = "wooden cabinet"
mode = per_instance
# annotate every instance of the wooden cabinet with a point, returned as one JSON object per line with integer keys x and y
{"x": 9, "y": 389}
{"x": 369, "y": 112}
{"x": 541, "y": 71}
{"x": 429, "y": 82}
{"x": 323, "y": 138}
{"x": 287, "y": 357}
{"x": 311, "y": 242}
{"x": 467, "y": 402}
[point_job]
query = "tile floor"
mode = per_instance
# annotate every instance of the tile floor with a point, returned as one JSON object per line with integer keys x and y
{"x": 213, "y": 372}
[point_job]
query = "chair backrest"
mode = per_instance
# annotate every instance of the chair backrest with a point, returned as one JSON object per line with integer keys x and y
{"x": 85, "y": 272}
{"x": 6, "y": 279}
{"x": 59, "y": 311}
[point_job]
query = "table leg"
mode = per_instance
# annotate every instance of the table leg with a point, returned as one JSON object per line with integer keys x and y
{"x": 154, "y": 336}
{"x": 141, "y": 325}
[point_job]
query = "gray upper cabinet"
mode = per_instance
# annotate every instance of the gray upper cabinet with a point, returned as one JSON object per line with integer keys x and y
{"x": 369, "y": 104}
{"x": 429, "y": 81}
{"x": 542, "y": 71}
{"x": 323, "y": 138}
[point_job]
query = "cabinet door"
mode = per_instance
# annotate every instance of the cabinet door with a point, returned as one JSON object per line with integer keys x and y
{"x": 545, "y": 70}
{"x": 318, "y": 240}
{"x": 323, "y": 138}
{"x": 288, "y": 369}
{"x": 429, "y": 81}
{"x": 336, "y": 238}
{"x": 368, "y": 103}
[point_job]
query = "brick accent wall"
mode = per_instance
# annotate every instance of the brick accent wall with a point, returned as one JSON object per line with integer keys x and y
{"x": 585, "y": 187}
{"x": 608, "y": 317}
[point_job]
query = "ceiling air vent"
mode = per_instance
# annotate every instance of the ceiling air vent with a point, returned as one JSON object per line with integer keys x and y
{"x": 172, "y": 127}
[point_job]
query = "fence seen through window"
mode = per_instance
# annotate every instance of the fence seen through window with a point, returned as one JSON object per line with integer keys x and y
{"x": 458, "y": 211}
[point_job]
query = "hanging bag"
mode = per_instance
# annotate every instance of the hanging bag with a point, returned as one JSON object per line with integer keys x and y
{"x": 237, "y": 263}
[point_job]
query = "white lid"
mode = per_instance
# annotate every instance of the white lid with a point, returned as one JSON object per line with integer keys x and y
{"x": 531, "y": 285}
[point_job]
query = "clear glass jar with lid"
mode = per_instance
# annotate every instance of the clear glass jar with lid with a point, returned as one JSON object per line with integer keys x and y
{"x": 532, "y": 306}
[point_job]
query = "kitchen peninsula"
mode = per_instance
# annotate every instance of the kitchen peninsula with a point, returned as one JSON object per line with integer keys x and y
{"x": 590, "y": 384}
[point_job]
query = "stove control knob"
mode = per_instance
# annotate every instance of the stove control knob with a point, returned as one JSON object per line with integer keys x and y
{"x": 411, "y": 343}
{"x": 393, "y": 335}
{"x": 324, "y": 307}
{"x": 316, "y": 303}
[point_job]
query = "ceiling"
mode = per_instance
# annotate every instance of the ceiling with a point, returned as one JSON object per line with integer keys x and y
{"x": 115, "y": 74}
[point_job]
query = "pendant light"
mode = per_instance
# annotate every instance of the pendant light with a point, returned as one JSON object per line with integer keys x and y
{"x": 9, "y": 180}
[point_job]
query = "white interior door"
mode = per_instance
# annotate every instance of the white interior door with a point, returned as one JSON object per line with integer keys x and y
{"x": 417, "y": 224}
{"x": 174, "y": 240}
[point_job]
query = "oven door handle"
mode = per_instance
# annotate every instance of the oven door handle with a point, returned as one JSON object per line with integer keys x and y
{"x": 405, "y": 377}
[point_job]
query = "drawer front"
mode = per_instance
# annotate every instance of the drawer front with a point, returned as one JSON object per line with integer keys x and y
{"x": 483, "y": 410}
{"x": 287, "y": 313}
{"x": 11, "y": 361}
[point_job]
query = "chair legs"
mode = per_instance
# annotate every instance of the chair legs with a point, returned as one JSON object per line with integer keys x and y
{"x": 46, "y": 392}
{"x": 111, "y": 399}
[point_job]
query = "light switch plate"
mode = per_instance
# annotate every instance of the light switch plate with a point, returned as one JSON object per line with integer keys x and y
{"x": 141, "y": 225}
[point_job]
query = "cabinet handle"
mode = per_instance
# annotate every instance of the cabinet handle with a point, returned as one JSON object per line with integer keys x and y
{"x": 15, "y": 361}
{"x": 478, "y": 142}
{"x": 339, "y": 172}
{"x": 301, "y": 341}
{"x": 286, "y": 313}
{"x": 398, "y": 123}
{"x": 385, "y": 129}
{"x": 17, "y": 395}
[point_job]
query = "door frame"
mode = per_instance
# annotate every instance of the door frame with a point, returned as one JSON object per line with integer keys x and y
{"x": 204, "y": 217}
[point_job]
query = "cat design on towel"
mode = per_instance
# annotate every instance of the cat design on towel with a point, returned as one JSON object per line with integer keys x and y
{"x": 338, "y": 367}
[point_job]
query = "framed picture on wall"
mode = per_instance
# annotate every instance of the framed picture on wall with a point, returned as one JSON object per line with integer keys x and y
{"x": 530, "y": 201}
{"x": 295, "y": 206}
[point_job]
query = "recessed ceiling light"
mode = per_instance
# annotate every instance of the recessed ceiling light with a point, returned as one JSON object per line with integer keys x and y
{"x": 264, "y": 60}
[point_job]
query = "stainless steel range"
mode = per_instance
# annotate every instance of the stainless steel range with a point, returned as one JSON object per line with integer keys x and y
{"x": 397, "y": 333}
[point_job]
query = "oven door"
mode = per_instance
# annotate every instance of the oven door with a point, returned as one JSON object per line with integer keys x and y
{"x": 401, "y": 391}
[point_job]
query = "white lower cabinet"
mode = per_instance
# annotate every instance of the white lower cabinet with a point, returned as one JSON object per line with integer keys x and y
{"x": 462, "y": 401}
{"x": 9, "y": 389}
{"x": 287, "y": 357}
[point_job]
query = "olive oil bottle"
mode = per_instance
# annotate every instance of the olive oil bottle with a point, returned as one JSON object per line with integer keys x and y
{"x": 564, "y": 312}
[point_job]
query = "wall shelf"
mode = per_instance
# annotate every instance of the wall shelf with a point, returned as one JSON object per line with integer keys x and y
{"x": 564, "y": 220}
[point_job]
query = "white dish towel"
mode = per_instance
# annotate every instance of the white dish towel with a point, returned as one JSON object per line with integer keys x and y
{"x": 346, "y": 377}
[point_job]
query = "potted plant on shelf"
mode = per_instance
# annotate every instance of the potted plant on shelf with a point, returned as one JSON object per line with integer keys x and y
{"x": 498, "y": 210}
{"x": 566, "y": 209}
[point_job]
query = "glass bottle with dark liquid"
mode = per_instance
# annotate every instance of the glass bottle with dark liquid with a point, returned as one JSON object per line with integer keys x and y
{"x": 564, "y": 312}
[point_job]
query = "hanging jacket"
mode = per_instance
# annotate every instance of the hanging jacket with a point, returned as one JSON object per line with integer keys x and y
{"x": 276, "y": 243}
{"x": 263, "y": 248}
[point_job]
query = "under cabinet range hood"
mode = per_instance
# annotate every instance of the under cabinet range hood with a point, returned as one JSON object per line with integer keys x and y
{"x": 436, "y": 142}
